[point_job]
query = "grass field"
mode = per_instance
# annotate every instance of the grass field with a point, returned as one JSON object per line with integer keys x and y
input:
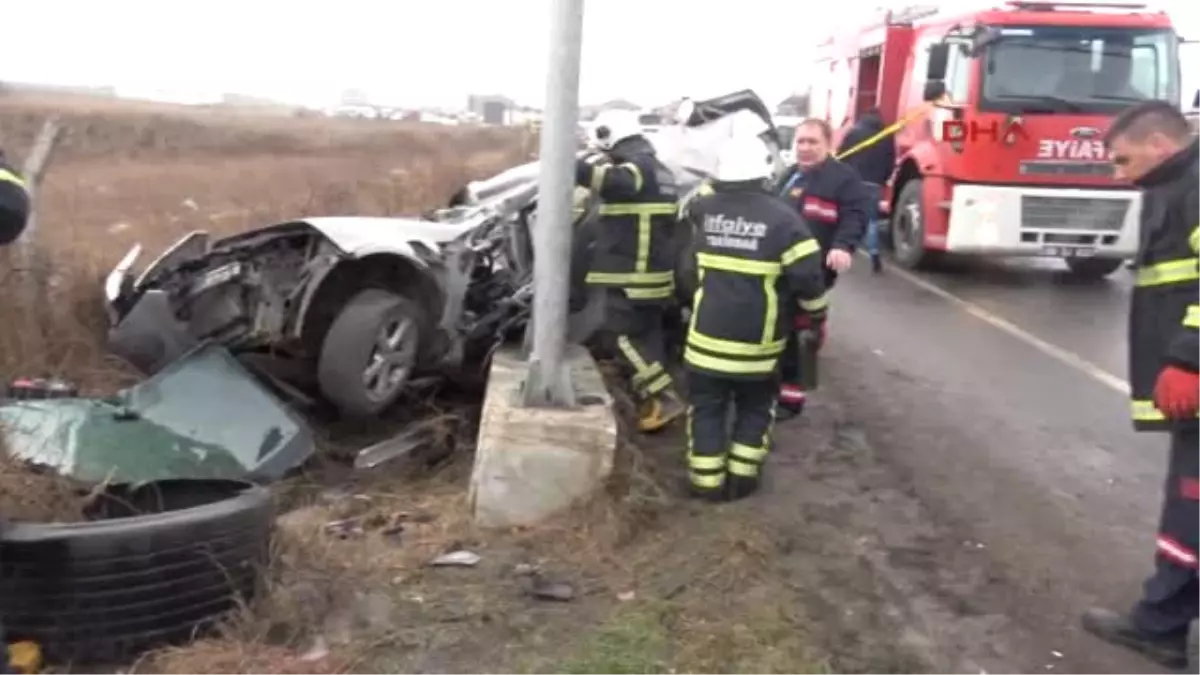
{"x": 141, "y": 172}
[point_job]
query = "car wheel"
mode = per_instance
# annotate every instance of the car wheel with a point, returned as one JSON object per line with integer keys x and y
{"x": 159, "y": 563}
{"x": 370, "y": 351}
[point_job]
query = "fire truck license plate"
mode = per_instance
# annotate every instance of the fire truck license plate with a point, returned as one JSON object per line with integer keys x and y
{"x": 1069, "y": 251}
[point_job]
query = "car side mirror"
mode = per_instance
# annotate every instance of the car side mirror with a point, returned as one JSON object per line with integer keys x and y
{"x": 934, "y": 90}
{"x": 939, "y": 56}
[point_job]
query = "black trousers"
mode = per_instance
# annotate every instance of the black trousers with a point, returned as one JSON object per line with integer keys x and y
{"x": 724, "y": 460}
{"x": 634, "y": 331}
{"x": 1171, "y": 596}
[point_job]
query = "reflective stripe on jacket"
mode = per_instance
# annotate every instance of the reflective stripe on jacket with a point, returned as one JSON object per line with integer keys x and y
{"x": 831, "y": 198}
{"x": 758, "y": 265}
{"x": 637, "y": 213}
{"x": 1164, "y": 314}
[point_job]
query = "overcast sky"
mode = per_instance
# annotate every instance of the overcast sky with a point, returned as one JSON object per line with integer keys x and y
{"x": 432, "y": 52}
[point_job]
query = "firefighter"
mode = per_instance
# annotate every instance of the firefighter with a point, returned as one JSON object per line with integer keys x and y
{"x": 14, "y": 215}
{"x": 14, "y": 203}
{"x": 632, "y": 258}
{"x": 829, "y": 194}
{"x": 1151, "y": 146}
{"x": 755, "y": 258}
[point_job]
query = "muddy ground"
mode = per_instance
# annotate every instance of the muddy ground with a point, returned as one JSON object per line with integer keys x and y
{"x": 834, "y": 567}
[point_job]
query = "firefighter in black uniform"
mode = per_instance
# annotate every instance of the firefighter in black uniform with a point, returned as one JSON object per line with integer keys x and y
{"x": 758, "y": 267}
{"x": 14, "y": 215}
{"x": 1152, "y": 146}
{"x": 632, "y": 256}
{"x": 830, "y": 195}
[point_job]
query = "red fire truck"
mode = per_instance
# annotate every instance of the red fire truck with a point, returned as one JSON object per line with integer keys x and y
{"x": 1003, "y": 153}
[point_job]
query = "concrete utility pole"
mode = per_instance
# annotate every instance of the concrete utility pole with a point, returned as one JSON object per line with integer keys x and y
{"x": 548, "y": 383}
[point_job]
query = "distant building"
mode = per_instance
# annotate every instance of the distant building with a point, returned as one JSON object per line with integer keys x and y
{"x": 492, "y": 109}
{"x": 258, "y": 104}
{"x": 353, "y": 98}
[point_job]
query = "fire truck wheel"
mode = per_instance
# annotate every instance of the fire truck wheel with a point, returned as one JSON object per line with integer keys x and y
{"x": 908, "y": 229}
{"x": 1093, "y": 268}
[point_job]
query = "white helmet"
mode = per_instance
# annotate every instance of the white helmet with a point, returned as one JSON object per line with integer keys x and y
{"x": 743, "y": 158}
{"x": 613, "y": 126}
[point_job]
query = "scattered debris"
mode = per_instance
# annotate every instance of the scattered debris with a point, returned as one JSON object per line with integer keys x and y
{"x": 1056, "y": 654}
{"x": 397, "y": 446}
{"x": 457, "y": 559}
{"x": 525, "y": 570}
{"x": 626, "y": 596}
{"x": 155, "y": 431}
{"x": 543, "y": 589}
{"x": 345, "y": 529}
{"x": 319, "y": 650}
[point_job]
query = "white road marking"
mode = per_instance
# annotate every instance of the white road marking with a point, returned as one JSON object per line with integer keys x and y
{"x": 1071, "y": 359}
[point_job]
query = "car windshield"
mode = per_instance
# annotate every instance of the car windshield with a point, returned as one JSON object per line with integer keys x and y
{"x": 1078, "y": 69}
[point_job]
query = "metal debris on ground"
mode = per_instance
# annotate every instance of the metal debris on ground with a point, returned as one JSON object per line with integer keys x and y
{"x": 543, "y": 589}
{"x": 525, "y": 570}
{"x": 400, "y": 445}
{"x": 345, "y": 529}
{"x": 456, "y": 559}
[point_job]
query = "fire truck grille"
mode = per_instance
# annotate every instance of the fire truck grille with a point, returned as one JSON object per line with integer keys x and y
{"x": 1073, "y": 213}
{"x": 1044, "y": 168}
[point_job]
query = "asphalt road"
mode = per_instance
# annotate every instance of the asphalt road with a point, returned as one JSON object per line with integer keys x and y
{"x": 995, "y": 390}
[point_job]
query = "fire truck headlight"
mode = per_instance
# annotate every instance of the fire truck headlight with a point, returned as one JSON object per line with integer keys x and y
{"x": 981, "y": 214}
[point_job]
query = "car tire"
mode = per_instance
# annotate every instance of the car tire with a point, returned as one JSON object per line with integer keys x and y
{"x": 1093, "y": 269}
{"x": 354, "y": 341}
{"x": 907, "y": 231}
{"x": 164, "y": 561}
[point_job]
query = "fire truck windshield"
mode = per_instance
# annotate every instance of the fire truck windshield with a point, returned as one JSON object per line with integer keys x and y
{"x": 1032, "y": 69}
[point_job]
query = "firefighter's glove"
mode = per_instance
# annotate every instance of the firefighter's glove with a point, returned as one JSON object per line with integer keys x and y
{"x": 585, "y": 164}
{"x": 1177, "y": 392}
{"x": 811, "y": 322}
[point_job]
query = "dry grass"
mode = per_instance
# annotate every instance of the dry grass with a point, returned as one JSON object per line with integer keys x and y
{"x": 128, "y": 173}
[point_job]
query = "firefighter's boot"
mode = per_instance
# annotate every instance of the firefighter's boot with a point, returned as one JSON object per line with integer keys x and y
{"x": 658, "y": 411}
{"x": 1118, "y": 629}
{"x": 741, "y": 487}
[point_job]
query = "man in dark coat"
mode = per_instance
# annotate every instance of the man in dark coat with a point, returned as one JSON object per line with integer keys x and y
{"x": 874, "y": 162}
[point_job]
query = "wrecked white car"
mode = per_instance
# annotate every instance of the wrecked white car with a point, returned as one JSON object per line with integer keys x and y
{"x": 364, "y": 305}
